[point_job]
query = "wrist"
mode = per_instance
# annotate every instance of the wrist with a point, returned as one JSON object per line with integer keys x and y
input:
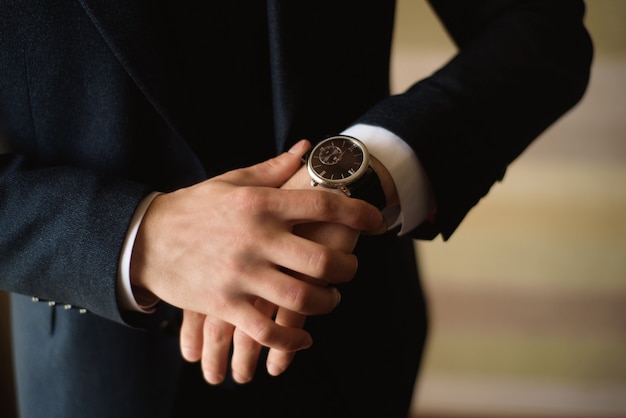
{"x": 301, "y": 180}
{"x": 386, "y": 182}
{"x": 144, "y": 298}
{"x": 130, "y": 297}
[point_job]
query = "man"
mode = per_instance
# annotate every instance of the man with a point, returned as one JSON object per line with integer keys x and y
{"x": 141, "y": 183}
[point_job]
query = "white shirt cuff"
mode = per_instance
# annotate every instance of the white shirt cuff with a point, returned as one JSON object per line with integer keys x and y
{"x": 406, "y": 170}
{"x": 126, "y": 298}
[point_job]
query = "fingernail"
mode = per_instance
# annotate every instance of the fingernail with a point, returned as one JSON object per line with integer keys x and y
{"x": 190, "y": 354}
{"x": 213, "y": 378}
{"x": 381, "y": 229}
{"x": 378, "y": 217}
{"x": 274, "y": 370}
{"x": 307, "y": 344}
{"x": 241, "y": 379}
{"x": 298, "y": 147}
{"x": 338, "y": 293}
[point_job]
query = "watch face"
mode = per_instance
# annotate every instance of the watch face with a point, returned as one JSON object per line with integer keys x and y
{"x": 338, "y": 160}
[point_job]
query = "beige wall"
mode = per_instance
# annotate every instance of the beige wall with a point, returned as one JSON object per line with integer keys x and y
{"x": 528, "y": 297}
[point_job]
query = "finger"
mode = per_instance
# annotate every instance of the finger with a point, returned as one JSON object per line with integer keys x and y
{"x": 246, "y": 350}
{"x": 191, "y": 335}
{"x": 283, "y": 290}
{"x": 270, "y": 173}
{"x": 218, "y": 336}
{"x": 338, "y": 237}
{"x": 265, "y": 331}
{"x": 309, "y": 258}
{"x": 313, "y": 205}
{"x": 278, "y": 361}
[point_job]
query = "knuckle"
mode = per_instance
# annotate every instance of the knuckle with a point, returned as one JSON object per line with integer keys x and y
{"x": 320, "y": 262}
{"x": 248, "y": 199}
{"x": 214, "y": 330}
{"x": 306, "y": 299}
{"x": 261, "y": 331}
{"x": 326, "y": 203}
{"x": 243, "y": 341}
{"x": 297, "y": 297}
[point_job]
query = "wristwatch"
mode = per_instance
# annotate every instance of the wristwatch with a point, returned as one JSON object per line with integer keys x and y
{"x": 343, "y": 162}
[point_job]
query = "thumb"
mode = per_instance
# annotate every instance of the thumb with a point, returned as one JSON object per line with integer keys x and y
{"x": 270, "y": 173}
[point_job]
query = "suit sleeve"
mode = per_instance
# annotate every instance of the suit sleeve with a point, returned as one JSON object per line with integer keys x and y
{"x": 520, "y": 66}
{"x": 77, "y": 165}
{"x": 62, "y": 231}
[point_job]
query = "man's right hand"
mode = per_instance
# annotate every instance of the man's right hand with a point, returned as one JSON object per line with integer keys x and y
{"x": 219, "y": 248}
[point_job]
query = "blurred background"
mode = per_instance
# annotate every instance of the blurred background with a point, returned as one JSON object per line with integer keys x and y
{"x": 528, "y": 298}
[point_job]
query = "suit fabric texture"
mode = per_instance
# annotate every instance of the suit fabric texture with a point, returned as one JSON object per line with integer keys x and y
{"x": 102, "y": 102}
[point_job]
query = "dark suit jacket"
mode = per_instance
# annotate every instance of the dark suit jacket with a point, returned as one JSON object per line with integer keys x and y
{"x": 105, "y": 101}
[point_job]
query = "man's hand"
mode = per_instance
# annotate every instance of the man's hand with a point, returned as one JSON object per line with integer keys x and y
{"x": 223, "y": 248}
{"x": 340, "y": 237}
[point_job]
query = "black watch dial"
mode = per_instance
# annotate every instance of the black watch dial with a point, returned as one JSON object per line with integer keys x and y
{"x": 338, "y": 160}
